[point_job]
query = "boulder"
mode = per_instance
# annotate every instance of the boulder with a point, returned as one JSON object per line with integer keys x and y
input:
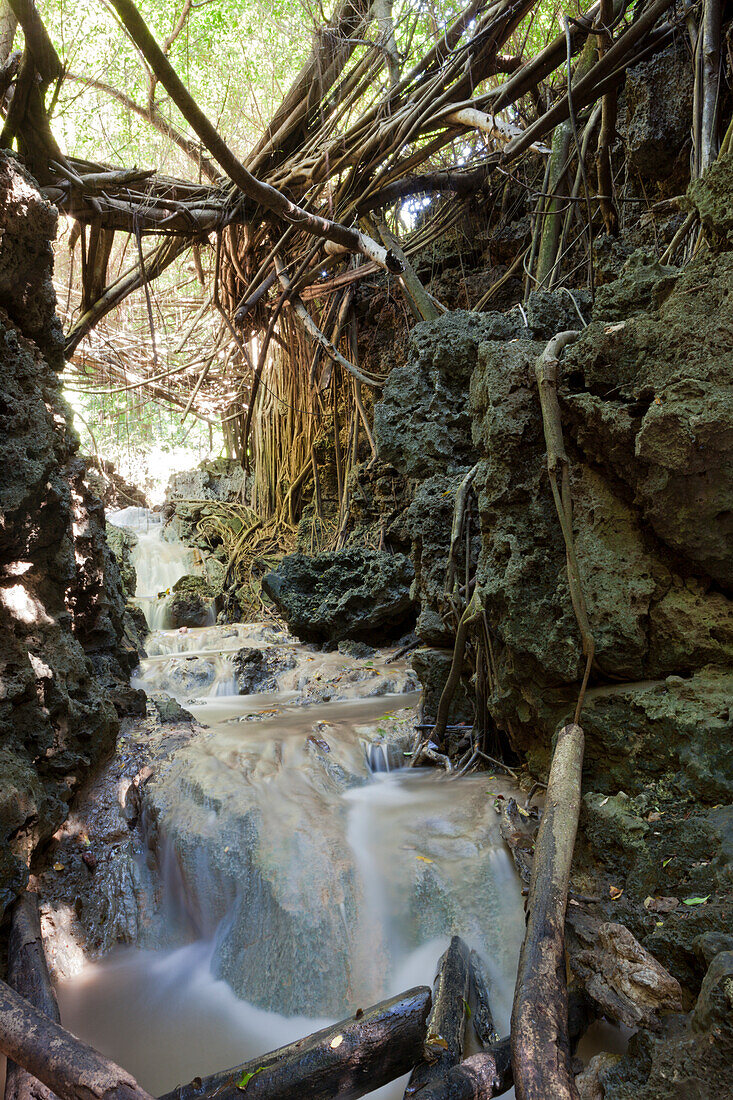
{"x": 691, "y": 1058}
{"x": 256, "y": 669}
{"x": 353, "y": 593}
{"x": 191, "y": 602}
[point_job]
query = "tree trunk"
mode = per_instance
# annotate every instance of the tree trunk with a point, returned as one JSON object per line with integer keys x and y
{"x": 28, "y": 975}
{"x": 73, "y": 1070}
{"x": 443, "y": 1046}
{"x": 540, "y": 1042}
{"x": 346, "y": 1060}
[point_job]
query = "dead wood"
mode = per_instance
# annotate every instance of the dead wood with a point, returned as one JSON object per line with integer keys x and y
{"x": 346, "y": 1060}
{"x": 519, "y": 834}
{"x": 540, "y": 1041}
{"x": 481, "y": 1015}
{"x": 477, "y": 1078}
{"x": 443, "y": 1045}
{"x": 70, "y": 1068}
{"x": 28, "y": 975}
{"x": 625, "y": 983}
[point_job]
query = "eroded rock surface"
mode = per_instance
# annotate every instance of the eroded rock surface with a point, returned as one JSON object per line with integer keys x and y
{"x": 650, "y": 482}
{"x": 63, "y": 658}
{"x": 353, "y": 593}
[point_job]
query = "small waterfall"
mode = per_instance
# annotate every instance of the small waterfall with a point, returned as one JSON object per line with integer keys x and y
{"x": 159, "y": 562}
{"x": 378, "y": 757}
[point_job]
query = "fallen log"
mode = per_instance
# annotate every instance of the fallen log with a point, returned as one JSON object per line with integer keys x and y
{"x": 539, "y": 1031}
{"x": 481, "y": 1015}
{"x": 475, "y": 1079}
{"x": 346, "y": 1060}
{"x": 443, "y": 1046}
{"x": 28, "y": 975}
{"x": 492, "y": 1068}
{"x": 73, "y": 1070}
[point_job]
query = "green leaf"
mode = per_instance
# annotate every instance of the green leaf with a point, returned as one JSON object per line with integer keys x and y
{"x": 467, "y": 1007}
{"x": 245, "y": 1079}
{"x": 696, "y": 901}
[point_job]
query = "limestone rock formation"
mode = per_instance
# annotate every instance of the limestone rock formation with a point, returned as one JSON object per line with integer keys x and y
{"x": 256, "y": 669}
{"x": 643, "y": 403}
{"x": 121, "y": 541}
{"x": 352, "y": 593}
{"x": 62, "y": 659}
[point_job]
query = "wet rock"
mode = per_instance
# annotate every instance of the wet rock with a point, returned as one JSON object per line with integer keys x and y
{"x": 693, "y": 1059}
{"x": 168, "y": 709}
{"x": 263, "y": 841}
{"x": 356, "y": 649}
{"x": 191, "y": 603}
{"x": 353, "y": 593}
{"x": 257, "y": 669}
{"x": 187, "y": 676}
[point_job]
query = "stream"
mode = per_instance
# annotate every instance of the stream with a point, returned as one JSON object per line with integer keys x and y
{"x": 301, "y": 870}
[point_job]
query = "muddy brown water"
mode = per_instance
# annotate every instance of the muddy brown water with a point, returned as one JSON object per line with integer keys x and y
{"x": 390, "y": 862}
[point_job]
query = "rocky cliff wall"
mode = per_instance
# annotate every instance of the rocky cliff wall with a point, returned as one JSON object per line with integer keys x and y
{"x": 62, "y": 659}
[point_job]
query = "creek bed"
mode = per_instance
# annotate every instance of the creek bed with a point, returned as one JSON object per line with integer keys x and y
{"x": 285, "y": 870}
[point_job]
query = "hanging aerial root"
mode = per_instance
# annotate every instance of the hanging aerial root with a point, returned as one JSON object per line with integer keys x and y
{"x": 546, "y": 370}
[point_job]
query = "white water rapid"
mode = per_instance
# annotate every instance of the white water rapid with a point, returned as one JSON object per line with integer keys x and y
{"x": 301, "y": 873}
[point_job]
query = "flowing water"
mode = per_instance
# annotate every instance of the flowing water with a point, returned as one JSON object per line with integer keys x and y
{"x": 303, "y": 874}
{"x": 159, "y": 562}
